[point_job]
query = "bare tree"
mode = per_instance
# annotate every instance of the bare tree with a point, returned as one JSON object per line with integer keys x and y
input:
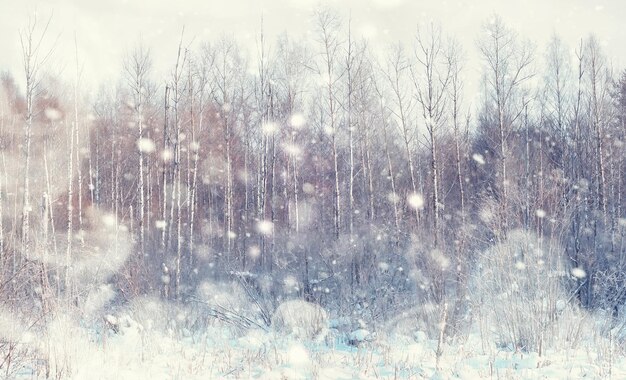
{"x": 557, "y": 106}
{"x": 460, "y": 138}
{"x": 34, "y": 58}
{"x": 198, "y": 92}
{"x": 389, "y": 167}
{"x": 355, "y": 82}
{"x": 291, "y": 81}
{"x": 397, "y": 72}
{"x": 265, "y": 94}
{"x": 598, "y": 80}
{"x": 178, "y": 92}
{"x": 508, "y": 68}
{"x": 431, "y": 78}
{"x": 328, "y": 25}
{"x": 137, "y": 66}
{"x": 227, "y": 77}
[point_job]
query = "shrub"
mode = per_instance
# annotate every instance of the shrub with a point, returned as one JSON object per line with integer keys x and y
{"x": 518, "y": 289}
{"x": 304, "y": 320}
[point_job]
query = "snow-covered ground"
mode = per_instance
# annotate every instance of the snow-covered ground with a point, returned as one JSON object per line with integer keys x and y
{"x": 152, "y": 351}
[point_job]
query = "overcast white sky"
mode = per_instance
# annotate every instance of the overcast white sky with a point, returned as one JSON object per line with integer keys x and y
{"x": 105, "y": 29}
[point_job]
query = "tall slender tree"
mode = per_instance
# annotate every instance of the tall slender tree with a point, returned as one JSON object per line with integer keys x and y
{"x": 508, "y": 69}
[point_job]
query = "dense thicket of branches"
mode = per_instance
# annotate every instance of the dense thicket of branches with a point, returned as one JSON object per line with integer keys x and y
{"x": 347, "y": 176}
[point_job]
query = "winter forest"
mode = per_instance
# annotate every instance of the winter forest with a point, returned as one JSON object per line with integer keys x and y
{"x": 315, "y": 208}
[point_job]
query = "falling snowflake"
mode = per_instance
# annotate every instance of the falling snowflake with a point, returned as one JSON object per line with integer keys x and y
{"x": 579, "y": 273}
{"x": 254, "y": 251}
{"x": 440, "y": 258}
{"x": 298, "y": 356}
{"x": 265, "y": 227}
{"x": 416, "y": 201}
{"x": 167, "y": 155}
{"x": 292, "y": 149}
{"x": 108, "y": 220}
{"x": 478, "y": 158}
{"x": 269, "y": 128}
{"x": 146, "y": 145}
{"x": 308, "y": 188}
{"x": 297, "y": 120}
{"x": 290, "y": 282}
{"x": 53, "y": 114}
{"x": 393, "y": 197}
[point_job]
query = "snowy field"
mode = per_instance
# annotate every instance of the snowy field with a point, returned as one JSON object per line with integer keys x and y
{"x": 159, "y": 342}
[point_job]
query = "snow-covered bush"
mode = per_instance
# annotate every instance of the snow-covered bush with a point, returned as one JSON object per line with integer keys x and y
{"x": 228, "y": 306}
{"x": 414, "y": 324}
{"x": 301, "y": 319}
{"x": 518, "y": 291}
{"x": 154, "y": 314}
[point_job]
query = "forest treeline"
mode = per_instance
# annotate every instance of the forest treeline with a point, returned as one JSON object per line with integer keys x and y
{"x": 351, "y": 177}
